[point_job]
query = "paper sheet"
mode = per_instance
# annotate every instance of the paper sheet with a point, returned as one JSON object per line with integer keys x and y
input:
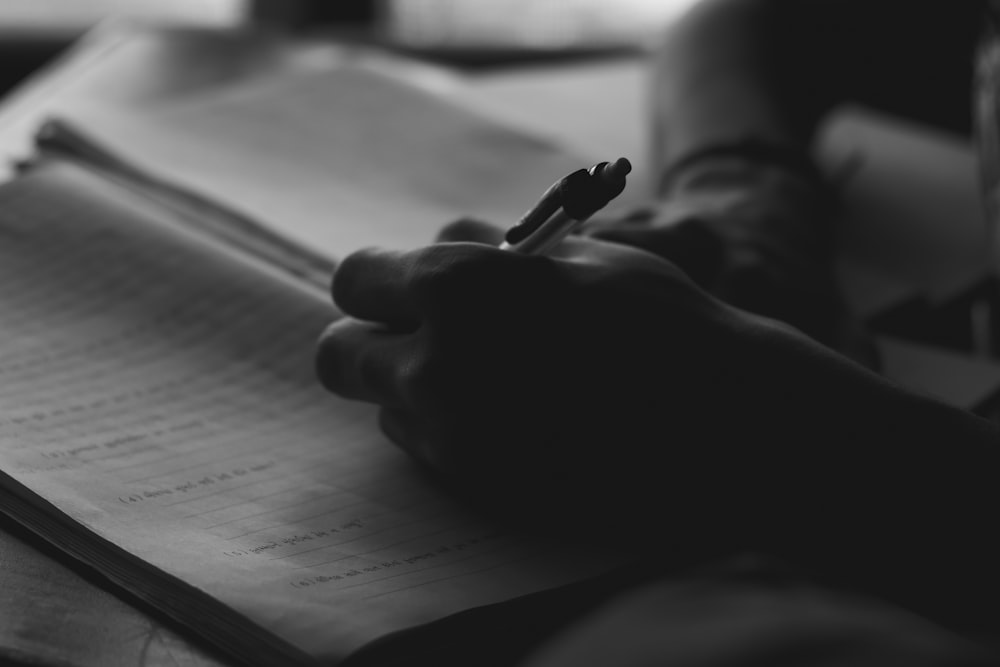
{"x": 598, "y": 110}
{"x": 959, "y": 379}
{"x": 340, "y": 160}
{"x": 162, "y": 394}
{"x": 915, "y": 217}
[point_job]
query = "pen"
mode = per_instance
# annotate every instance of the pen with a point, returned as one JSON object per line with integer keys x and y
{"x": 565, "y": 206}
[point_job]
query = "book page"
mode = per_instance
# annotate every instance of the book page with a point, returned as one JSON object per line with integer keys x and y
{"x": 339, "y": 160}
{"x": 161, "y": 393}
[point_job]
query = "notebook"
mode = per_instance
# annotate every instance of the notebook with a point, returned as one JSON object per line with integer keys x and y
{"x": 160, "y": 420}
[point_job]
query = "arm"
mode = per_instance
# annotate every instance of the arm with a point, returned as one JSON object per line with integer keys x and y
{"x": 910, "y": 511}
{"x": 771, "y": 69}
{"x": 739, "y": 89}
{"x": 886, "y": 491}
{"x": 601, "y": 388}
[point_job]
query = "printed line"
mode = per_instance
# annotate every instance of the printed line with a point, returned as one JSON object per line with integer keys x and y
{"x": 225, "y": 490}
{"x": 533, "y": 554}
{"x": 361, "y": 537}
{"x": 268, "y": 447}
{"x": 251, "y": 501}
{"x": 440, "y": 565}
{"x": 338, "y": 509}
{"x": 375, "y": 551}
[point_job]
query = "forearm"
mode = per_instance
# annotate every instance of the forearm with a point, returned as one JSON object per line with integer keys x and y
{"x": 890, "y": 491}
{"x": 771, "y": 69}
{"x": 718, "y": 79}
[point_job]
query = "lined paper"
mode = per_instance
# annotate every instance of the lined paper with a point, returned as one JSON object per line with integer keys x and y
{"x": 338, "y": 160}
{"x": 160, "y": 391}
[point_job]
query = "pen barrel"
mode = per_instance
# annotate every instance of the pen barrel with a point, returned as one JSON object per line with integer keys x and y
{"x": 569, "y": 202}
{"x": 545, "y": 237}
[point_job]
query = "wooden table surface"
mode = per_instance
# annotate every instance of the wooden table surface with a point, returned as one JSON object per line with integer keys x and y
{"x": 53, "y": 612}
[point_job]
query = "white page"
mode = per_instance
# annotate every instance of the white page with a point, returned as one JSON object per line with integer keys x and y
{"x": 163, "y": 395}
{"x": 915, "y": 214}
{"x": 598, "y": 109}
{"x": 339, "y": 160}
{"x": 962, "y": 380}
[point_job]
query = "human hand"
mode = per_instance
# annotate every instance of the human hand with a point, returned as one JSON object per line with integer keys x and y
{"x": 583, "y": 388}
{"x": 755, "y": 236}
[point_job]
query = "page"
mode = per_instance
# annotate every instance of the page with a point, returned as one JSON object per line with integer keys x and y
{"x": 594, "y": 108}
{"x": 339, "y": 160}
{"x": 161, "y": 393}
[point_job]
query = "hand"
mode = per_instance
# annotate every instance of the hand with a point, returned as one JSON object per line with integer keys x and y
{"x": 756, "y": 237}
{"x": 588, "y": 384}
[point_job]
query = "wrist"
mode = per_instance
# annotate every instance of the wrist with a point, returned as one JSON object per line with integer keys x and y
{"x": 881, "y": 488}
{"x": 744, "y": 164}
{"x": 759, "y": 194}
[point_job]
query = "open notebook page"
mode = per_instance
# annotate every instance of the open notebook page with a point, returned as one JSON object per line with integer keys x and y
{"x": 338, "y": 160}
{"x": 161, "y": 393}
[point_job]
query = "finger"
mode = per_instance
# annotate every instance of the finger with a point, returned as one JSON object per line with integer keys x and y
{"x": 688, "y": 244}
{"x": 474, "y": 231}
{"x": 578, "y": 248}
{"x": 395, "y": 288}
{"x": 433, "y": 284}
{"x": 643, "y": 215}
{"x": 449, "y": 280}
{"x": 362, "y": 361}
{"x": 373, "y": 285}
{"x": 406, "y": 432}
{"x": 648, "y": 238}
{"x": 583, "y": 250}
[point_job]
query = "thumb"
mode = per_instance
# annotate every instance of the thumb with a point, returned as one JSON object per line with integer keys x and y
{"x": 470, "y": 230}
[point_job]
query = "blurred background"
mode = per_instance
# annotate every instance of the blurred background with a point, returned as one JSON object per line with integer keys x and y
{"x": 474, "y": 33}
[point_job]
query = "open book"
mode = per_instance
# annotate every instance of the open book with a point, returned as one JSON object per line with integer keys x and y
{"x": 160, "y": 421}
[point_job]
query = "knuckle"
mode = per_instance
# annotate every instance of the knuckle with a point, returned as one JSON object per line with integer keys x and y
{"x": 376, "y": 373}
{"x": 418, "y": 386}
{"x": 449, "y": 271}
{"x": 463, "y": 229}
{"x": 351, "y": 273}
{"x": 328, "y": 361}
{"x": 345, "y": 276}
{"x": 427, "y": 384}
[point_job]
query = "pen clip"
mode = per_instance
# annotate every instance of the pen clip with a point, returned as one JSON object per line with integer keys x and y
{"x": 552, "y": 200}
{"x": 567, "y": 203}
